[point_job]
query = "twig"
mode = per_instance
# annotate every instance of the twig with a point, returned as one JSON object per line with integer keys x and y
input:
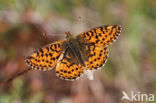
{"x": 13, "y": 77}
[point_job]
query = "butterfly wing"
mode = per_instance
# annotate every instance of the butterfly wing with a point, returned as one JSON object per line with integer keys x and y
{"x": 96, "y": 41}
{"x": 46, "y": 57}
{"x": 97, "y": 57}
{"x": 68, "y": 67}
{"x": 101, "y": 36}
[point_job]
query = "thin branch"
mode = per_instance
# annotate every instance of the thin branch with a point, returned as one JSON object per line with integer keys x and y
{"x": 13, "y": 77}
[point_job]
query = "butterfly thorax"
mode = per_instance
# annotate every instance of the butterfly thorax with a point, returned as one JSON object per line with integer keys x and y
{"x": 74, "y": 48}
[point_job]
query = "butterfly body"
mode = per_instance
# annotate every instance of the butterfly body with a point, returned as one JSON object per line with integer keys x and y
{"x": 76, "y": 50}
{"x": 71, "y": 57}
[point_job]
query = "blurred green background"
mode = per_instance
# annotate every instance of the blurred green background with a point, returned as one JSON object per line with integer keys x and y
{"x": 132, "y": 58}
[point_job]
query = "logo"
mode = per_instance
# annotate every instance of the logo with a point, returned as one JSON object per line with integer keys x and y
{"x": 138, "y": 96}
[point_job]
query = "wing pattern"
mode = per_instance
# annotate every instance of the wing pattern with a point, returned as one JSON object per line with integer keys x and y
{"x": 101, "y": 36}
{"x": 97, "y": 57}
{"x": 68, "y": 67}
{"x": 46, "y": 57}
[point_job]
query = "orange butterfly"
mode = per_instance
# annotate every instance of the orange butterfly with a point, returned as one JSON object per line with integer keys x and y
{"x": 71, "y": 57}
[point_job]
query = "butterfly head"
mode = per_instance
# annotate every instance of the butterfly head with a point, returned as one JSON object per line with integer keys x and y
{"x": 68, "y": 35}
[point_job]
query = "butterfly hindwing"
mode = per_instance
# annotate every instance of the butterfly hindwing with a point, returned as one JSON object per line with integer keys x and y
{"x": 68, "y": 67}
{"x": 97, "y": 57}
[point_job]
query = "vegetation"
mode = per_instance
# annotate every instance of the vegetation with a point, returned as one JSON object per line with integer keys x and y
{"x": 132, "y": 58}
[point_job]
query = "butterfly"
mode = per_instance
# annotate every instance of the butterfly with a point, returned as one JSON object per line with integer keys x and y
{"x": 71, "y": 57}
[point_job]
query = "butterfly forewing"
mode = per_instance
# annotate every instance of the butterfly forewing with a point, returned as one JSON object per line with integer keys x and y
{"x": 46, "y": 57}
{"x": 101, "y": 36}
